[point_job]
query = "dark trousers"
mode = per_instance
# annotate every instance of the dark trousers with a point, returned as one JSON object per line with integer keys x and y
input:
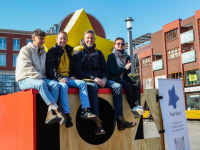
{"x": 132, "y": 89}
{"x": 117, "y": 97}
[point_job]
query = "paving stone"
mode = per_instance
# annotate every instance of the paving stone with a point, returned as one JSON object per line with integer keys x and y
{"x": 151, "y": 131}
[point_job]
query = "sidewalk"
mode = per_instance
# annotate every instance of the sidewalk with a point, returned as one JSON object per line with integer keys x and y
{"x": 150, "y": 131}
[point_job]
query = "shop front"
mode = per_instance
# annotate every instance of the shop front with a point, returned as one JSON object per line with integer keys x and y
{"x": 192, "y": 89}
{"x": 192, "y": 101}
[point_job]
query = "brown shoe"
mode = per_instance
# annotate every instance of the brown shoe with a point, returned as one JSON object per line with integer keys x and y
{"x": 122, "y": 124}
{"x": 50, "y": 119}
{"x": 99, "y": 129}
{"x": 60, "y": 116}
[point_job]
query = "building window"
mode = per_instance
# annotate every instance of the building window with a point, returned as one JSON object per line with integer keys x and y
{"x": 149, "y": 61}
{"x": 8, "y": 84}
{"x": 167, "y": 37}
{"x": 2, "y": 59}
{"x": 29, "y": 40}
{"x": 187, "y": 47}
{"x": 199, "y": 24}
{"x": 193, "y": 102}
{"x": 157, "y": 56}
{"x": 156, "y": 80}
{"x": 192, "y": 77}
{"x": 173, "y": 53}
{"x": 146, "y": 61}
{"x": 176, "y": 75}
{"x": 148, "y": 83}
{"x": 14, "y": 60}
{"x": 16, "y": 44}
{"x": 171, "y": 35}
{"x": 2, "y": 43}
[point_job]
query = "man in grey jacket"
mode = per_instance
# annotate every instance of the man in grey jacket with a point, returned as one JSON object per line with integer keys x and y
{"x": 31, "y": 73}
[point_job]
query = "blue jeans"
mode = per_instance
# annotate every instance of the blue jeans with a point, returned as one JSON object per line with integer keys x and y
{"x": 64, "y": 93}
{"x": 117, "y": 97}
{"x": 49, "y": 91}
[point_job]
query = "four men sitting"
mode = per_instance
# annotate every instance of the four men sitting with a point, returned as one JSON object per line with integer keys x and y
{"x": 62, "y": 69}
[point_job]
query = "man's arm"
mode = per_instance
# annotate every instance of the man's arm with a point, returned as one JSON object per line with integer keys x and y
{"x": 51, "y": 65}
{"x": 113, "y": 69}
{"x": 103, "y": 66}
{"x": 129, "y": 70}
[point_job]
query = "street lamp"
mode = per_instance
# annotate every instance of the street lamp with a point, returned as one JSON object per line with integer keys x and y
{"x": 129, "y": 21}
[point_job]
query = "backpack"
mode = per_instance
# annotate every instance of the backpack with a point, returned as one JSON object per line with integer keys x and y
{"x": 93, "y": 54}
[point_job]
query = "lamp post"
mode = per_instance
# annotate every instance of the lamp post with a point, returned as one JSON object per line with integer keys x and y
{"x": 129, "y": 21}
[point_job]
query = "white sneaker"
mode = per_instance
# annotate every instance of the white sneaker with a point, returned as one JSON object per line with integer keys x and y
{"x": 137, "y": 111}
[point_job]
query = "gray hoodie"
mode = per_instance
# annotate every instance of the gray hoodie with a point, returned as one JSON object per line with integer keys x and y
{"x": 30, "y": 64}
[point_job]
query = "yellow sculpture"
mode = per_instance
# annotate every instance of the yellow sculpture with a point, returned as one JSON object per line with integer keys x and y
{"x": 79, "y": 23}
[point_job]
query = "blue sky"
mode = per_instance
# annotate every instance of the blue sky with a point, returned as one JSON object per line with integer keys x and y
{"x": 149, "y": 15}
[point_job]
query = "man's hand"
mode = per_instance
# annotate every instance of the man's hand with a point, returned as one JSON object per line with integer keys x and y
{"x": 97, "y": 80}
{"x": 100, "y": 82}
{"x": 103, "y": 83}
{"x": 72, "y": 78}
{"x": 63, "y": 80}
{"x": 128, "y": 65}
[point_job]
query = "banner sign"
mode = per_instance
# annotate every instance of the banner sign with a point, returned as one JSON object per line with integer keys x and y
{"x": 192, "y": 89}
{"x": 174, "y": 114}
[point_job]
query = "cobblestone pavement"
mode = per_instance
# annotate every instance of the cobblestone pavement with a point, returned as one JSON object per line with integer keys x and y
{"x": 150, "y": 131}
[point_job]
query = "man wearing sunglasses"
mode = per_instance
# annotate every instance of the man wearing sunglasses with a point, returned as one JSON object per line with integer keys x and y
{"x": 90, "y": 64}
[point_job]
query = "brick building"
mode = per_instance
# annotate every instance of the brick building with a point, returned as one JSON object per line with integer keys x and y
{"x": 11, "y": 41}
{"x": 174, "y": 53}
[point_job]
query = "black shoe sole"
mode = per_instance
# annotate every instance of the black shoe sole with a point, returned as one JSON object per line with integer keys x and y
{"x": 127, "y": 127}
{"x": 53, "y": 120}
{"x": 84, "y": 117}
{"x": 100, "y": 133}
{"x": 121, "y": 129}
{"x": 133, "y": 125}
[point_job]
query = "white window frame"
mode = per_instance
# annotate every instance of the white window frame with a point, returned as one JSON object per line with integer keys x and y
{"x": 1, "y": 60}
{"x": 156, "y": 80}
{"x": 148, "y": 83}
{"x": 15, "y": 59}
{"x": 1, "y": 47}
{"x": 18, "y": 46}
{"x": 29, "y": 39}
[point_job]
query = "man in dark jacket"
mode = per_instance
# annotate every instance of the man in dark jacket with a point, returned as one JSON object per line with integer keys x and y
{"x": 90, "y": 64}
{"x": 59, "y": 66}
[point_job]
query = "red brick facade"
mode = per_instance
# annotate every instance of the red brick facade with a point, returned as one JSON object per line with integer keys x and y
{"x": 10, "y": 34}
{"x": 168, "y": 43}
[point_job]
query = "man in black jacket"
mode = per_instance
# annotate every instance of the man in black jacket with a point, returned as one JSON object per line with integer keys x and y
{"x": 90, "y": 64}
{"x": 59, "y": 67}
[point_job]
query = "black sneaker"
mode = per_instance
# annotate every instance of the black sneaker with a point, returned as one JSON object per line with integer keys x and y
{"x": 68, "y": 122}
{"x": 86, "y": 114}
